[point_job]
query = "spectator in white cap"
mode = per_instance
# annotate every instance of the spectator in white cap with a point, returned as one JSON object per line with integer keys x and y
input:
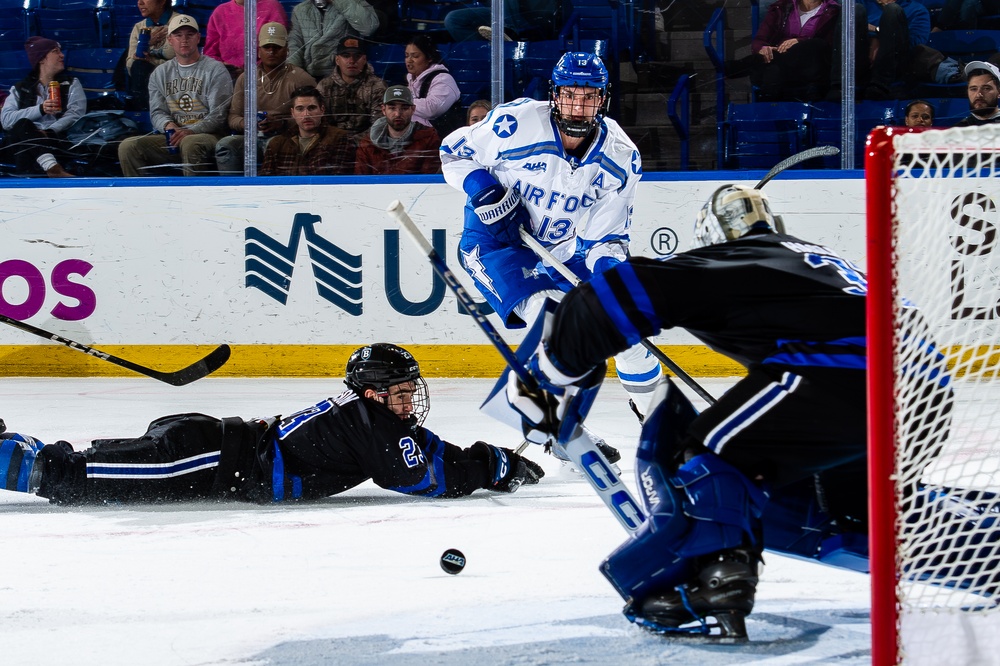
{"x": 35, "y": 123}
{"x": 225, "y": 36}
{"x": 188, "y": 101}
{"x": 983, "y": 87}
{"x": 276, "y": 79}
{"x": 396, "y": 144}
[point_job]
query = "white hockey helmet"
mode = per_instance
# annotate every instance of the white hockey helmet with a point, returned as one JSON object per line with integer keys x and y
{"x": 731, "y": 212}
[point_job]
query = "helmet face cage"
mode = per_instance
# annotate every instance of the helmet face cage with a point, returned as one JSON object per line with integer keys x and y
{"x": 418, "y": 400}
{"x": 380, "y": 367}
{"x": 730, "y": 213}
{"x": 581, "y": 70}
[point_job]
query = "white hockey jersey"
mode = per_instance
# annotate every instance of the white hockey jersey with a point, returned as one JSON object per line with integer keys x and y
{"x": 586, "y": 201}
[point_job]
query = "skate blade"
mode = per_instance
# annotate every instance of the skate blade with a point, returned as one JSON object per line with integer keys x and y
{"x": 726, "y": 629}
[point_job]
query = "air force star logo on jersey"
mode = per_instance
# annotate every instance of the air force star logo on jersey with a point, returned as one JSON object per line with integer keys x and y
{"x": 505, "y": 126}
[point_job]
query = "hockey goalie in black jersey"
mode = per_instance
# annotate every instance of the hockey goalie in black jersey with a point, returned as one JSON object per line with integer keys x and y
{"x": 780, "y": 459}
{"x": 373, "y": 430}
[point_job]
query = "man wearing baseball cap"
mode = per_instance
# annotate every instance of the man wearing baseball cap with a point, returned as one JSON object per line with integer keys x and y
{"x": 352, "y": 92}
{"x": 189, "y": 97}
{"x": 395, "y": 144}
{"x": 319, "y": 25}
{"x": 983, "y": 87}
{"x": 276, "y": 79}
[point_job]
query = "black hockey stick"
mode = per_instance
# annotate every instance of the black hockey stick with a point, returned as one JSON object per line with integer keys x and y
{"x": 788, "y": 162}
{"x": 564, "y": 270}
{"x": 206, "y": 366}
{"x": 580, "y": 448}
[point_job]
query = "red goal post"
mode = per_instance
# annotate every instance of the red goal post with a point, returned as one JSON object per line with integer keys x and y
{"x": 932, "y": 221}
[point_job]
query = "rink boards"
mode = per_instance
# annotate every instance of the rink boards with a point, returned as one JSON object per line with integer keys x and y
{"x": 295, "y": 274}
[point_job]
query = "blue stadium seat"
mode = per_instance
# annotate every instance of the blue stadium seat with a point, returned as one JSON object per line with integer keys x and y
{"x": 947, "y": 110}
{"x": 532, "y": 64}
{"x": 13, "y": 67}
{"x": 826, "y": 126}
{"x": 760, "y": 134}
{"x": 95, "y": 68}
{"x": 468, "y": 62}
{"x": 73, "y": 27}
{"x": 387, "y": 61}
{"x": 12, "y": 25}
{"x": 124, "y": 14}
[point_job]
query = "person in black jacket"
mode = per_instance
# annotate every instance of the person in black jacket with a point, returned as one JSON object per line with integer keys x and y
{"x": 372, "y": 430}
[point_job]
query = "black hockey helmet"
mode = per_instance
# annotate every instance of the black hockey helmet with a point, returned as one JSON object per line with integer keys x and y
{"x": 382, "y": 365}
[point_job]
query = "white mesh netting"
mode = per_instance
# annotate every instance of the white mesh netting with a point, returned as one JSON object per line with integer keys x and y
{"x": 947, "y": 399}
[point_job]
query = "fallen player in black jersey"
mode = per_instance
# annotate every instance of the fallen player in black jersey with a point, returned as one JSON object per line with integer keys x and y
{"x": 373, "y": 430}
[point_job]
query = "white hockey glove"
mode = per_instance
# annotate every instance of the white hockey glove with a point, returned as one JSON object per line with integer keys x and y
{"x": 502, "y": 212}
{"x": 543, "y": 407}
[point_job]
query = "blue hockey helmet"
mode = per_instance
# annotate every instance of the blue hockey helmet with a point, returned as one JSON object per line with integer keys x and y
{"x": 730, "y": 213}
{"x": 579, "y": 69}
{"x": 381, "y": 366}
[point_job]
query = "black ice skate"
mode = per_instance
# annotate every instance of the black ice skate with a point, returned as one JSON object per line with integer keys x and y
{"x": 713, "y": 607}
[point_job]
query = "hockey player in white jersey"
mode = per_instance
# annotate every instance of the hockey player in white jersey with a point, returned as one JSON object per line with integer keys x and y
{"x": 565, "y": 173}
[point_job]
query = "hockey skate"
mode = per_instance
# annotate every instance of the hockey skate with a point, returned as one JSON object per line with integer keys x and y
{"x": 714, "y": 605}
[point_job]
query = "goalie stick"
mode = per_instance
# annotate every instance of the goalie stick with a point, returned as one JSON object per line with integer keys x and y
{"x": 206, "y": 366}
{"x": 564, "y": 270}
{"x": 578, "y": 446}
{"x": 797, "y": 158}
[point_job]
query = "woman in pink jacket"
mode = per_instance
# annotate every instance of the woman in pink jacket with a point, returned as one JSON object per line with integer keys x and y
{"x": 224, "y": 35}
{"x": 434, "y": 89}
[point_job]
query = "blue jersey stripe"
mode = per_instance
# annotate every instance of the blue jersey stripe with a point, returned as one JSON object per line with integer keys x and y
{"x": 750, "y": 412}
{"x": 638, "y": 293}
{"x": 277, "y": 475}
{"x": 818, "y": 360}
{"x": 614, "y": 310}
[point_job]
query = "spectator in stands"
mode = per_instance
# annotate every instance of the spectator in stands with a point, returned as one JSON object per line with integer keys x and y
{"x": 396, "y": 144}
{"x": 919, "y": 113}
{"x": 225, "y": 36}
{"x": 983, "y": 89}
{"x": 352, "y": 92}
{"x": 155, "y": 17}
{"x": 188, "y": 95}
{"x": 311, "y": 148}
{"x": 524, "y": 20}
{"x": 319, "y": 25}
{"x": 791, "y": 54}
{"x": 434, "y": 89}
{"x": 896, "y": 28}
{"x": 964, "y": 14}
{"x": 34, "y": 131}
{"x": 276, "y": 80}
{"x": 477, "y": 111}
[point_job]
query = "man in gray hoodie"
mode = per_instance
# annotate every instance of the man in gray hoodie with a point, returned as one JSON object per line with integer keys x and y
{"x": 189, "y": 99}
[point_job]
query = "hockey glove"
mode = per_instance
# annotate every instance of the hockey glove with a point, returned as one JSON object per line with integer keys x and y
{"x": 507, "y": 470}
{"x": 502, "y": 212}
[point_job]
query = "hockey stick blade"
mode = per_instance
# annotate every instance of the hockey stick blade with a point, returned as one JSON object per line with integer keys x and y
{"x": 206, "y": 366}
{"x": 574, "y": 280}
{"x": 797, "y": 158}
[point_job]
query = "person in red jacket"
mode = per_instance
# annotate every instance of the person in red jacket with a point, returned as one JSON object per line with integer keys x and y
{"x": 396, "y": 144}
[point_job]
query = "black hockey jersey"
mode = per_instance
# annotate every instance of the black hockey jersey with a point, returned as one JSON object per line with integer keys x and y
{"x": 764, "y": 298}
{"x": 343, "y": 441}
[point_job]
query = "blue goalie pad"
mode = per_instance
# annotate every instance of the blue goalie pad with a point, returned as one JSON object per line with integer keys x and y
{"x": 17, "y": 458}
{"x": 705, "y": 506}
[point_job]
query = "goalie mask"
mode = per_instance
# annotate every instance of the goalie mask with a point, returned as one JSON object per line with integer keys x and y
{"x": 394, "y": 375}
{"x": 579, "y": 93}
{"x": 730, "y": 213}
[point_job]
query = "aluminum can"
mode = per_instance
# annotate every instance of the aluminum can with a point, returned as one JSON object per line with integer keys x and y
{"x": 173, "y": 150}
{"x": 54, "y": 93}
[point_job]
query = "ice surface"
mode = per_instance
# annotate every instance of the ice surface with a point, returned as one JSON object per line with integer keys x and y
{"x": 354, "y": 579}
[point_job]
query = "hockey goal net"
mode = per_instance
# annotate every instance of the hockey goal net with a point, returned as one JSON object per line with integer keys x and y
{"x": 934, "y": 394}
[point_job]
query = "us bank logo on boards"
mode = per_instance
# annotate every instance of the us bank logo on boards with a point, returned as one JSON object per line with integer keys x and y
{"x": 338, "y": 273}
{"x": 24, "y": 288}
{"x": 269, "y": 265}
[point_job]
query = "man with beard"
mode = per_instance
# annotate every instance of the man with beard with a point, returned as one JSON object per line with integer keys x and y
{"x": 396, "y": 144}
{"x": 982, "y": 88}
{"x": 311, "y": 148}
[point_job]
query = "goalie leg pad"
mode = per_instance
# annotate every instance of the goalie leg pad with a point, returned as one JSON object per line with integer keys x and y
{"x": 705, "y": 507}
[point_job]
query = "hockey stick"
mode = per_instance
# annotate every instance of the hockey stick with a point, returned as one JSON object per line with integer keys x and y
{"x": 580, "y": 449}
{"x": 564, "y": 270}
{"x": 788, "y": 162}
{"x": 206, "y": 366}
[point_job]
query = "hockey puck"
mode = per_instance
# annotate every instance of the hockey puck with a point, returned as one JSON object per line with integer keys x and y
{"x": 452, "y": 561}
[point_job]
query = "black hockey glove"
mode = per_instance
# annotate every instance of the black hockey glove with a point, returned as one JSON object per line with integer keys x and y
{"x": 502, "y": 213}
{"x": 507, "y": 470}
